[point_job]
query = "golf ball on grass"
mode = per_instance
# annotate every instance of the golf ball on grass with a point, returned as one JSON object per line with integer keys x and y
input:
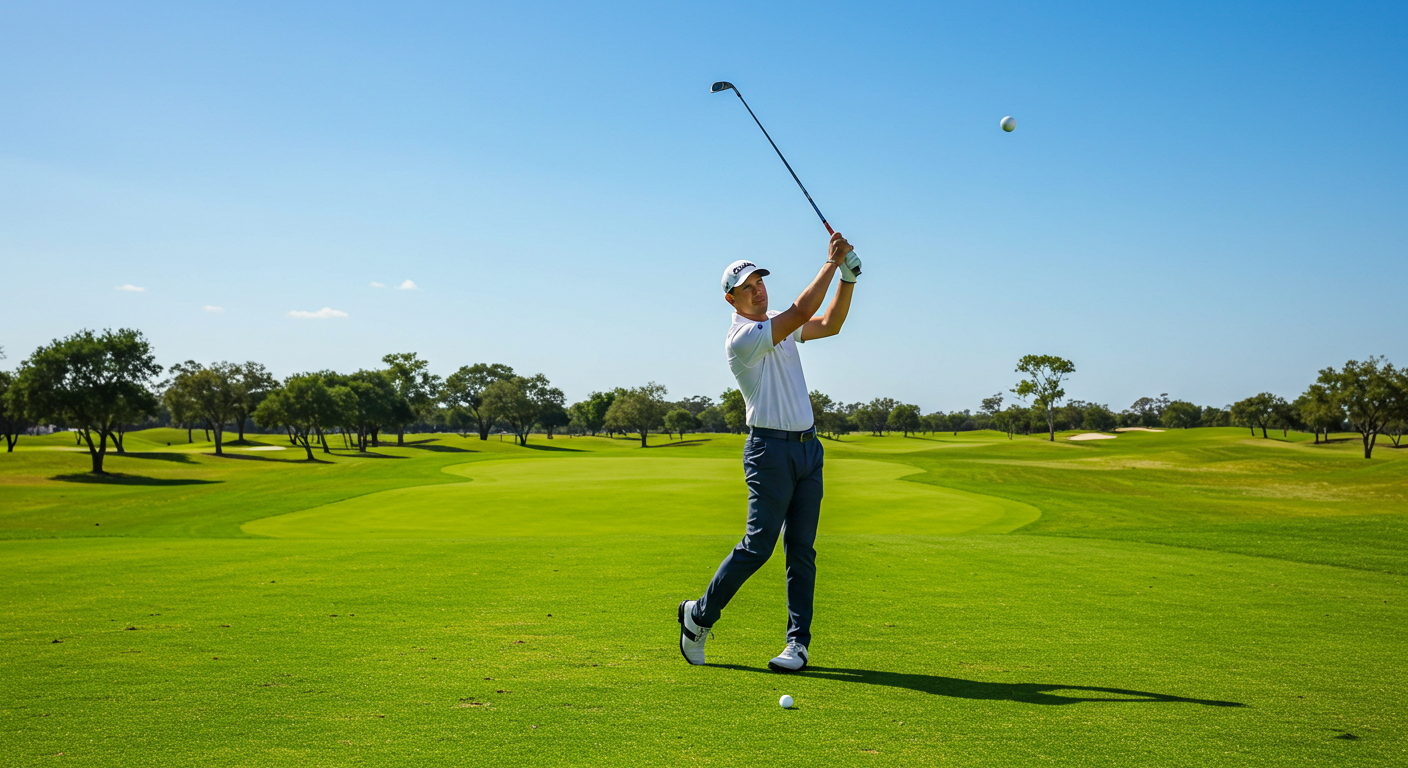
{"x": 785, "y": 702}
{"x": 1008, "y": 123}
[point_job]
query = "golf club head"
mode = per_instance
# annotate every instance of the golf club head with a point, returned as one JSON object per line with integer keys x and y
{"x": 721, "y": 86}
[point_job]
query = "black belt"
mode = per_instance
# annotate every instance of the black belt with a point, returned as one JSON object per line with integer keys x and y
{"x": 782, "y": 434}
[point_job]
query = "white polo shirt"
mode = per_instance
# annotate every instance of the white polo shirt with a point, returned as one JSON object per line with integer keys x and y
{"x": 770, "y": 376}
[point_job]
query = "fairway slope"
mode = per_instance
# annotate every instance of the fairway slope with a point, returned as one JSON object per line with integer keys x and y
{"x": 639, "y": 495}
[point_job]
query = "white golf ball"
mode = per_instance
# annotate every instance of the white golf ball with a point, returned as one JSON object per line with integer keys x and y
{"x": 785, "y": 702}
{"x": 1008, "y": 123}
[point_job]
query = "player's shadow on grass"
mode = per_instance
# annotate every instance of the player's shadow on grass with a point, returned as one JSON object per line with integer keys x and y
{"x": 1025, "y": 693}
{"x": 117, "y": 478}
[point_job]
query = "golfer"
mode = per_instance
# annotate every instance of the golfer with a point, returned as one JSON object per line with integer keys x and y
{"x": 782, "y": 457}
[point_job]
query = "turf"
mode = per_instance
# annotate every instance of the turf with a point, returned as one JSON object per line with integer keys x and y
{"x": 1194, "y": 599}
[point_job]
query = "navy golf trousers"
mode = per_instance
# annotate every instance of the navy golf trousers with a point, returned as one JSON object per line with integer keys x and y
{"x": 784, "y": 498}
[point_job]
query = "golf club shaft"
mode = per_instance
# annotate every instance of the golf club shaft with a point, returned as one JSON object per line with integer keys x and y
{"x": 824, "y": 223}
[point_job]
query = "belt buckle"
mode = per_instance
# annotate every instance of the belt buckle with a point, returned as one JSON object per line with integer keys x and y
{"x": 808, "y": 435}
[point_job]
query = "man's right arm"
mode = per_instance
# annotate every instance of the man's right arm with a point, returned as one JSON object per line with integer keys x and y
{"x": 810, "y": 299}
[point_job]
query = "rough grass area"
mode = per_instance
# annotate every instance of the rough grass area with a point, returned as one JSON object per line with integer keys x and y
{"x": 1192, "y": 599}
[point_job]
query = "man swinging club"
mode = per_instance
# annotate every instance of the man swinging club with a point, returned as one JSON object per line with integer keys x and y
{"x": 782, "y": 458}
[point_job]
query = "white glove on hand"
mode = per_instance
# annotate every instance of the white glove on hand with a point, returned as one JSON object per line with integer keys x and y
{"x": 850, "y": 269}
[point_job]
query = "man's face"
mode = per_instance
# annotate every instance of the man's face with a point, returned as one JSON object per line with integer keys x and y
{"x": 749, "y": 297}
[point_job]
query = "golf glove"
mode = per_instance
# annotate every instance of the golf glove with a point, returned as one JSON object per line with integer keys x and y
{"x": 850, "y": 269}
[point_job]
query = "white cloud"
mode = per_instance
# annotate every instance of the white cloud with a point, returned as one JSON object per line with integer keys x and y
{"x": 129, "y": 287}
{"x": 322, "y": 314}
{"x": 407, "y": 286}
{"x": 378, "y": 285}
{"x": 212, "y": 308}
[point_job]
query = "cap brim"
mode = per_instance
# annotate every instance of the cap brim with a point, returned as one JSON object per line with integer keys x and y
{"x": 745, "y": 274}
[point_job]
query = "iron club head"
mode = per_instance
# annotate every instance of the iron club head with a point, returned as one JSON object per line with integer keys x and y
{"x": 721, "y": 86}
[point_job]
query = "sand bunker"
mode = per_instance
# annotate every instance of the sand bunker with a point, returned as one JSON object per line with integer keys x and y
{"x": 263, "y": 448}
{"x": 1092, "y": 436}
{"x": 1137, "y": 429}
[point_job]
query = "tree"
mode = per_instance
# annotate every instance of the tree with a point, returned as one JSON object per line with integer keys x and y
{"x": 252, "y": 383}
{"x": 550, "y": 401}
{"x": 12, "y": 420}
{"x": 463, "y": 392}
{"x": 695, "y": 404}
{"x": 415, "y": 383}
{"x": 1256, "y": 411}
{"x": 1149, "y": 411}
{"x": 1317, "y": 411}
{"x": 957, "y": 420}
{"x": 1369, "y": 395}
{"x": 679, "y": 420}
{"x": 1045, "y": 372}
{"x": 711, "y": 419}
{"x": 516, "y": 401}
{"x": 904, "y": 418}
{"x": 991, "y": 405}
{"x": 305, "y": 406}
{"x": 735, "y": 410}
{"x": 1097, "y": 418}
{"x": 213, "y": 394}
{"x": 376, "y": 404}
{"x": 1181, "y": 414}
{"x": 640, "y": 409}
{"x": 1212, "y": 416}
{"x": 870, "y": 419}
{"x": 821, "y": 404}
{"x": 93, "y": 383}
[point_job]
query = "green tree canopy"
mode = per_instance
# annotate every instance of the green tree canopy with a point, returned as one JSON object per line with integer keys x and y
{"x": 305, "y": 406}
{"x": 735, "y": 410}
{"x": 904, "y": 418}
{"x": 517, "y": 402}
{"x": 640, "y": 409}
{"x": 91, "y": 382}
{"x": 463, "y": 393}
{"x": 1097, "y": 418}
{"x": 1181, "y": 414}
{"x": 1369, "y": 394}
{"x": 1256, "y": 411}
{"x": 12, "y": 420}
{"x": 1045, "y": 373}
{"x": 681, "y": 421}
{"x": 416, "y": 384}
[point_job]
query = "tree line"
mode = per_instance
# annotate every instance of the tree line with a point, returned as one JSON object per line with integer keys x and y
{"x": 102, "y": 385}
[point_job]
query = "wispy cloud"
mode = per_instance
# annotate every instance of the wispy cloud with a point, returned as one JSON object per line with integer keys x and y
{"x": 378, "y": 285}
{"x": 212, "y": 308}
{"x": 408, "y": 285}
{"x": 130, "y": 287}
{"x": 326, "y": 313}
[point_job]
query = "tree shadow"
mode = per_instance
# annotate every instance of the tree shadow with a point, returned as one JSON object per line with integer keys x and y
{"x": 364, "y": 454}
{"x": 180, "y": 458}
{"x": 679, "y": 443}
{"x": 117, "y": 478}
{"x": 541, "y": 447}
{"x": 441, "y": 448}
{"x": 1024, "y": 693}
{"x": 250, "y": 457}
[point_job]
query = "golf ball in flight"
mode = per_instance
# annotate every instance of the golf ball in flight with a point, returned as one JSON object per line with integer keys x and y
{"x": 785, "y": 702}
{"x": 1008, "y": 123}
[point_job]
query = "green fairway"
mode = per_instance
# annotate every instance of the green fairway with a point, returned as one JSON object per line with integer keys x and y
{"x": 1161, "y": 599}
{"x": 638, "y": 495}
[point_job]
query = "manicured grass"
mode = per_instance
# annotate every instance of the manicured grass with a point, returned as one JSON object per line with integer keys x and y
{"x": 1197, "y": 599}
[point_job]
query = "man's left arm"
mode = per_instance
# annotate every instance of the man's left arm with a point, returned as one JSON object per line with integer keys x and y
{"x": 829, "y": 323}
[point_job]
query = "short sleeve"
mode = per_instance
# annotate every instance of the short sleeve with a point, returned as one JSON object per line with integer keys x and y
{"x": 749, "y": 344}
{"x": 797, "y": 334}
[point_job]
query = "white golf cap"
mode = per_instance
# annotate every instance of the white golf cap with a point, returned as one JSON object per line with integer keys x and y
{"x": 739, "y": 271}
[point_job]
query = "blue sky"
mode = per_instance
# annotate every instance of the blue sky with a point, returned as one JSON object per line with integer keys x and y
{"x": 1199, "y": 199}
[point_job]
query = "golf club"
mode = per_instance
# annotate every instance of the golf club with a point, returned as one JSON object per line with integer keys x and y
{"x": 726, "y": 86}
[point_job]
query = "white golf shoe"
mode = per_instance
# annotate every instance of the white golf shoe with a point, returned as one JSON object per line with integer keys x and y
{"x": 692, "y": 636}
{"x": 792, "y": 659}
